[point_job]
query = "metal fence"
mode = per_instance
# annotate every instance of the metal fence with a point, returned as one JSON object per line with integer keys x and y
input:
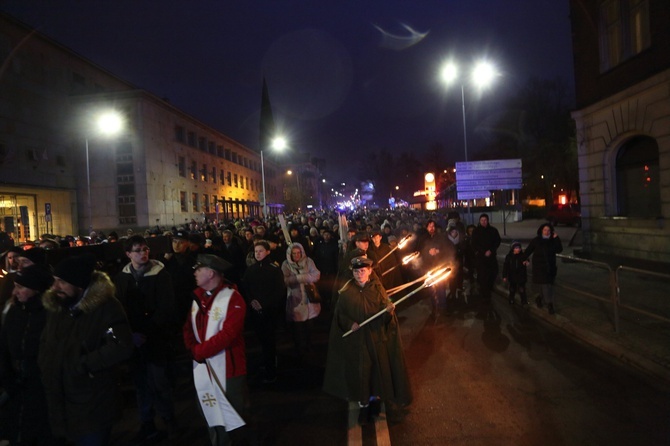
{"x": 639, "y": 292}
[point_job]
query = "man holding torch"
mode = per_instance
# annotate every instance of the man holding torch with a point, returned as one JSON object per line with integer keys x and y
{"x": 367, "y": 367}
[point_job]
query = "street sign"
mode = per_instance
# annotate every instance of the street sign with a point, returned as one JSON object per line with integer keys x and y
{"x": 488, "y": 175}
{"x": 47, "y": 208}
{"x": 488, "y": 165}
{"x": 472, "y": 195}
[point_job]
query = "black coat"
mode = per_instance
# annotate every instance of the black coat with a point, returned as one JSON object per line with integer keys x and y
{"x": 513, "y": 269}
{"x": 264, "y": 282}
{"x": 150, "y": 306}
{"x": 20, "y": 375}
{"x": 544, "y": 258}
{"x": 78, "y": 354}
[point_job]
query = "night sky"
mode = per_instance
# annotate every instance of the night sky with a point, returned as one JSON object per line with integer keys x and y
{"x": 345, "y": 78}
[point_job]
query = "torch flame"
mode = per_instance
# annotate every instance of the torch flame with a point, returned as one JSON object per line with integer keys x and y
{"x": 403, "y": 242}
{"x": 437, "y": 276}
{"x": 410, "y": 257}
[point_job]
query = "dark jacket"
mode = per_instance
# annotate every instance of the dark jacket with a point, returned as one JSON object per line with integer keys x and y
{"x": 79, "y": 350}
{"x": 180, "y": 268}
{"x": 513, "y": 269}
{"x": 544, "y": 258}
{"x": 150, "y": 307}
{"x": 326, "y": 255}
{"x": 20, "y": 375}
{"x": 264, "y": 282}
{"x": 377, "y": 342}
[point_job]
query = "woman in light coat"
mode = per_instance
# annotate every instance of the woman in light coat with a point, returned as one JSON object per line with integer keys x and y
{"x": 299, "y": 270}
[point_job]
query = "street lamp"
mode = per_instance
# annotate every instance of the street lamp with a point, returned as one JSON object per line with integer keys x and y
{"x": 107, "y": 124}
{"x": 279, "y": 144}
{"x": 481, "y": 77}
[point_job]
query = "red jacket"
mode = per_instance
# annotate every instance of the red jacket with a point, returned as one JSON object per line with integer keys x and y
{"x": 230, "y": 338}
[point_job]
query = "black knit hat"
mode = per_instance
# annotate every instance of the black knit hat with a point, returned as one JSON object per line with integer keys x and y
{"x": 76, "y": 270}
{"x": 35, "y": 277}
{"x": 36, "y": 255}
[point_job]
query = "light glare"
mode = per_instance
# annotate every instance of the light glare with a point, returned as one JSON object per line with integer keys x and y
{"x": 110, "y": 123}
{"x": 483, "y": 74}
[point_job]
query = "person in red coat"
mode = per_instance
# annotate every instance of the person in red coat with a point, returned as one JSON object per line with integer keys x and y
{"x": 214, "y": 336}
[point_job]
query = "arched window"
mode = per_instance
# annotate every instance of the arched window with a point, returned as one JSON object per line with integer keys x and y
{"x": 637, "y": 179}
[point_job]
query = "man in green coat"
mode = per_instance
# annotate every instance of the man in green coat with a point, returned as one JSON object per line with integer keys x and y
{"x": 368, "y": 366}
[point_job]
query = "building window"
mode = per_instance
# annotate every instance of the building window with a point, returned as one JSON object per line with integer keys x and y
{"x": 228, "y": 178}
{"x": 179, "y": 133}
{"x": 182, "y": 166}
{"x": 202, "y": 144}
{"x": 235, "y": 157}
{"x": 219, "y": 152}
{"x": 205, "y": 203}
{"x": 624, "y": 31}
{"x": 228, "y": 154}
{"x": 182, "y": 201}
{"x": 191, "y": 139}
{"x": 203, "y": 173}
{"x": 194, "y": 170}
{"x": 211, "y": 147}
{"x": 638, "y": 179}
{"x": 194, "y": 201}
{"x": 215, "y": 203}
{"x": 221, "y": 177}
{"x": 235, "y": 180}
{"x": 252, "y": 184}
{"x": 212, "y": 177}
{"x": 246, "y": 183}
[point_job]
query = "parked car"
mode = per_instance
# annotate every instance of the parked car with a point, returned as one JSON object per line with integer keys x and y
{"x": 565, "y": 214}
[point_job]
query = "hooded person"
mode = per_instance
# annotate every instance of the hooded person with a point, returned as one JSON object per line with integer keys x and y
{"x": 86, "y": 336}
{"x": 19, "y": 343}
{"x": 300, "y": 272}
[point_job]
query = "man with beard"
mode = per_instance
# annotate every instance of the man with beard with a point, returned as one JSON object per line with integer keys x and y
{"x": 87, "y": 334}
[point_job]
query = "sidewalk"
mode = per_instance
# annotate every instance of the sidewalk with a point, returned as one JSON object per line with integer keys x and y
{"x": 584, "y": 303}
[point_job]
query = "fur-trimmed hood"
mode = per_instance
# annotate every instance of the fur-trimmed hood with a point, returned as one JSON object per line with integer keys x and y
{"x": 100, "y": 290}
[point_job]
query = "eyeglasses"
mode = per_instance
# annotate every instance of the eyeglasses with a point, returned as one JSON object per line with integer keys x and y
{"x": 145, "y": 249}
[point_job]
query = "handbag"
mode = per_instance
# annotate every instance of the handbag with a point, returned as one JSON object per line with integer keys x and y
{"x": 312, "y": 293}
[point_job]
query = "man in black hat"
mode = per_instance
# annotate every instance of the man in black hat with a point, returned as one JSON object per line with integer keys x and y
{"x": 214, "y": 336}
{"x": 26, "y": 408}
{"x": 87, "y": 334}
{"x": 32, "y": 256}
{"x": 179, "y": 263}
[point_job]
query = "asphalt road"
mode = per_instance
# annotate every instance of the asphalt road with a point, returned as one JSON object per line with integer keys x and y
{"x": 490, "y": 374}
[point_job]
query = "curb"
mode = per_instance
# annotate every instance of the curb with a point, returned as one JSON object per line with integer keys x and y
{"x": 627, "y": 356}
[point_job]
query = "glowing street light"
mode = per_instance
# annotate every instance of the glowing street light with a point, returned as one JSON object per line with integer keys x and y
{"x": 481, "y": 77}
{"x": 279, "y": 144}
{"x": 108, "y": 124}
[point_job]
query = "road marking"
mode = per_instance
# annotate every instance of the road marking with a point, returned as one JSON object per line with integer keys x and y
{"x": 355, "y": 432}
{"x": 382, "y": 429}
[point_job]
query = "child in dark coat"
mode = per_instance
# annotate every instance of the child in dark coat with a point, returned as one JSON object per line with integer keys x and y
{"x": 514, "y": 273}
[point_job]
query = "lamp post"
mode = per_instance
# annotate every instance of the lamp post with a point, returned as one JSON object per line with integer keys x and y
{"x": 279, "y": 144}
{"x": 482, "y": 76}
{"x": 107, "y": 124}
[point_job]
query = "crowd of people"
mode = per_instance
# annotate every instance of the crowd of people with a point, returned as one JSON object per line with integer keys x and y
{"x": 71, "y": 318}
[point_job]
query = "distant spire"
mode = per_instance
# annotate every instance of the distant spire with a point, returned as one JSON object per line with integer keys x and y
{"x": 267, "y": 122}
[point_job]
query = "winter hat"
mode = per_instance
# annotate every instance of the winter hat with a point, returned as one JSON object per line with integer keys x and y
{"x": 36, "y": 255}
{"x": 515, "y": 244}
{"x": 76, "y": 270}
{"x": 35, "y": 277}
